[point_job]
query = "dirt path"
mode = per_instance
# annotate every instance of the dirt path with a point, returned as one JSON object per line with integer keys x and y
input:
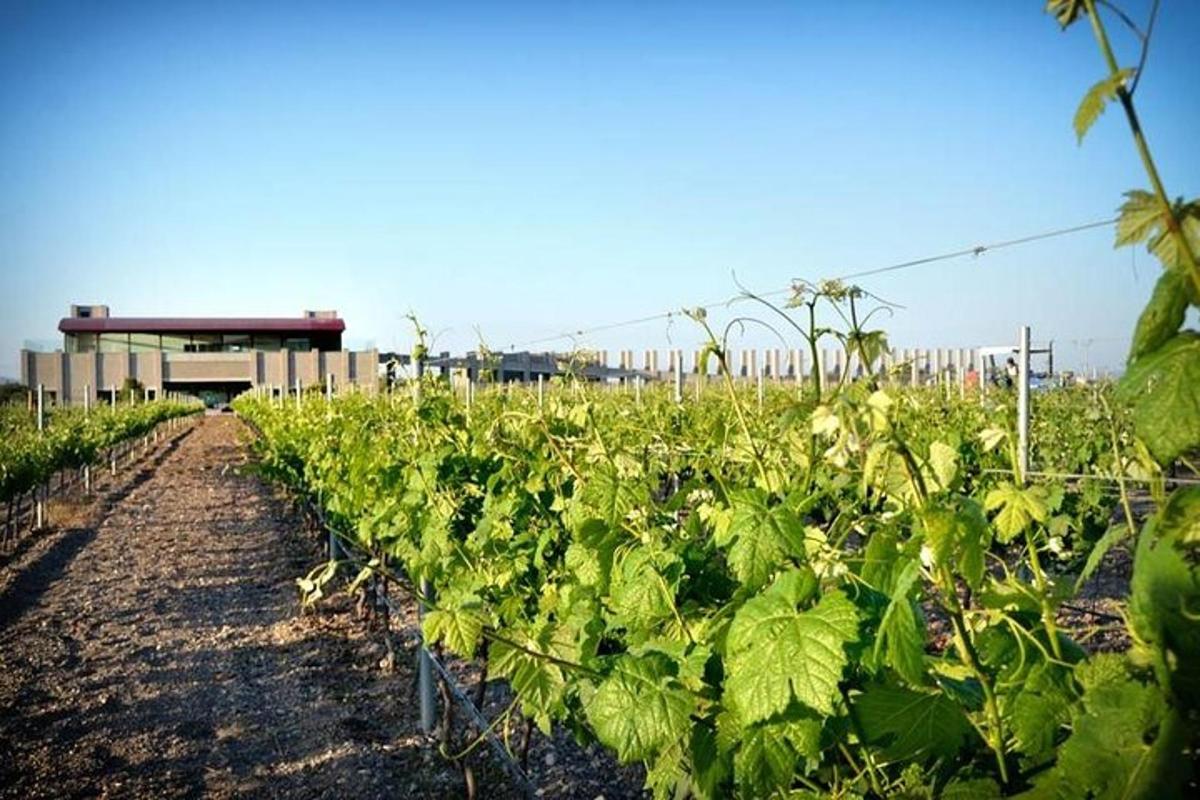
{"x": 155, "y": 650}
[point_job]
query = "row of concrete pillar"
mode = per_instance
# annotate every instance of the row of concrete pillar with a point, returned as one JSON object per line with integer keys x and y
{"x": 779, "y": 364}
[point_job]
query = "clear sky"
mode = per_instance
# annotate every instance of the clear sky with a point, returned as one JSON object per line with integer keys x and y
{"x": 529, "y": 168}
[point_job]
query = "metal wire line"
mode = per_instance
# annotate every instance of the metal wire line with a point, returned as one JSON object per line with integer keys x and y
{"x": 1081, "y": 476}
{"x": 975, "y": 251}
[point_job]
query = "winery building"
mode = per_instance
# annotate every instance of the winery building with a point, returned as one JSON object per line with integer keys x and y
{"x": 207, "y": 356}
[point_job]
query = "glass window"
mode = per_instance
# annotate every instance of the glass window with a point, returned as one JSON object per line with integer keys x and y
{"x": 81, "y": 343}
{"x": 296, "y": 344}
{"x": 270, "y": 343}
{"x": 175, "y": 343}
{"x": 205, "y": 343}
{"x": 143, "y": 342}
{"x": 236, "y": 342}
{"x": 114, "y": 343}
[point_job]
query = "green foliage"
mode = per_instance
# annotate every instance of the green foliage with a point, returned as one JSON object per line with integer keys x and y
{"x": 1161, "y": 388}
{"x": 71, "y": 439}
{"x": 761, "y": 537}
{"x": 458, "y": 628}
{"x": 1165, "y": 593}
{"x": 638, "y": 578}
{"x": 902, "y": 628}
{"x": 1125, "y": 740}
{"x": 1066, "y": 11}
{"x": 777, "y": 654}
{"x": 1162, "y": 316}
{"x": 907, "y": 724}
{"x": 640, "y": 708}
{"x": 1145, "y": 218}
{"x": 1097, "y": 97}
{"x": 1019, "y": 508}
{"x": 1135, "y": 728}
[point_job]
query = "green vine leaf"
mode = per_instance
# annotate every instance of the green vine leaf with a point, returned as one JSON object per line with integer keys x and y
{"x": 1168, "y": 247}
{"x": 710, "y": 767}
{"x": 908, "y": 724}
{"x": 943, "y": 459}
{"x": 639, "y": 594}
{"x": 958, "y": 537}
{"x": 1114, "y": 534}
{"x": 1126, "y": 742}
{"x": 902, "y": 628}
{"x": 1163, "y": 315}
{"x": 777, "y": 654}
{"x": 458, "y": 628}
{"x": 1066, "y": 11}
{"x": 1040, "y": 709}
{"x": 1143, "y": 218}
{"x": 766, "y": 760}
{"x": 1019, "y": 508}
{"x": 640, "y": 709}
{"x": 1097, "y": 97}
{"x": 973, "y": 789}
{"x": 1161, "y": 388}
{"x": 764, "y": 764}
{"x": 538, "y": 682}
{"x": 763, "y": 537}
{"x": 1165, "y": 590}
{"x": 1139, "y": 218}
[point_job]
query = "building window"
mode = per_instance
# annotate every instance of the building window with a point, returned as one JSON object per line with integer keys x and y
{"x": 296, "y": 344}
{"x": 80, "y": 343}
{"x": 144, "y": 342}
{"x": 205, "y": 343}
{"x": 176, "y": 344}
{"x": 114, "y": 343}
{"x": 236, "y": 342}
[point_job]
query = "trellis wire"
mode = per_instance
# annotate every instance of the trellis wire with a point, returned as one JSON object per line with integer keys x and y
{"x": 974, "y": 251}
{"x": 1096, "y": 477}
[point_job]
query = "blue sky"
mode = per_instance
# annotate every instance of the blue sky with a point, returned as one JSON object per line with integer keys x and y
{"x": 527, "y": 169}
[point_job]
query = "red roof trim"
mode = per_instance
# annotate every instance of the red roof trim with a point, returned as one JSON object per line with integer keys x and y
{"x": 199, "y": 325}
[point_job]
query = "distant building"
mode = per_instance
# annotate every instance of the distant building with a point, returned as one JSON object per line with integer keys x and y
{"x": 209, "y": 356}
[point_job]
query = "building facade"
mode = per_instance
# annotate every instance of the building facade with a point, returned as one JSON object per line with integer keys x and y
{"x": 208, "y": 357}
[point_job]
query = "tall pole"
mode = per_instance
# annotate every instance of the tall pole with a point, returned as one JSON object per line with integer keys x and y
{"x": 425, "y": 671}
{"x": 41, "y": 426}
{"x": 1023, "y": 403}
{"x": 424, "y": 665}
{"x": 679, "y": 377}
{"x": 87, "y": 409}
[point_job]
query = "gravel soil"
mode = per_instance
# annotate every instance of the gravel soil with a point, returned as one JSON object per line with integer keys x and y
{"x": 151, "y": 645}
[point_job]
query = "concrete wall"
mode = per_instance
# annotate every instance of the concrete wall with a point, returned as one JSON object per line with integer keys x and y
{"x": 69, "y": 375}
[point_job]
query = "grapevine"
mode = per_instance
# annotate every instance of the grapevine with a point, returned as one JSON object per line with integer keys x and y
{"x": 848, "y": 591}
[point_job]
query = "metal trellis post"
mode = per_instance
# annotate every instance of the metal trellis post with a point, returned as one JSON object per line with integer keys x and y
{"x": 41, "y": 426}
{"x": 425, "y": 671}
{"x": 1023, "y": 403}
{"x": 87, "y": 409}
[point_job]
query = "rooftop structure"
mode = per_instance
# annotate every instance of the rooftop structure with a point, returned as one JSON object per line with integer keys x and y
{"x": 91, "y": 329}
